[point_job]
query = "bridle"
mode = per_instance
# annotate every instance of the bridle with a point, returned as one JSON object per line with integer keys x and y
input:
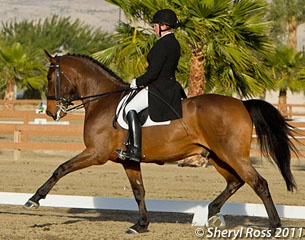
{"x": 63, "y": 103}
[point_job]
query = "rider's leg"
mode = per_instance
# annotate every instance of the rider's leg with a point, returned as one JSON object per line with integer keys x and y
{"x": 133, "y": 151}
{"x": 137, "y": 104}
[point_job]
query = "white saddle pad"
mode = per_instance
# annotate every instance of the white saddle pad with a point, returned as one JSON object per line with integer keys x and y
{"x": 124, "y": 125}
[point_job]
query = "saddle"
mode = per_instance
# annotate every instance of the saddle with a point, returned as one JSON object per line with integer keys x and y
{"x": 144, "y": 117}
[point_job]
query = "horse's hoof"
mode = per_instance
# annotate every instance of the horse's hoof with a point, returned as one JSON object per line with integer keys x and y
{"x": 216, "y": 221}
{"x": 131, "y": 231}
{"x": 273, "y": 229}
{"x": 137, "y": 229}
{"x": 31, "y": 205}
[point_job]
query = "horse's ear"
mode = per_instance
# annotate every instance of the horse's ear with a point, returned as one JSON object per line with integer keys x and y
{"x": 48, "y": 55}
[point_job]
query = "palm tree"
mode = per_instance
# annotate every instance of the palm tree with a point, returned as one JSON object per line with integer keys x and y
{"x": 222, "y": 41}
{"x": 127, "y": 56}
{"x": 302, "y": 76}
{"x": 27, "y": 39}
{"x": 10, "y": 58}
{"x": 229, "y": 38}
{"x": 287, "y": 15}
{"x": 286, "y": 65}
{"x": 18, "y": 67}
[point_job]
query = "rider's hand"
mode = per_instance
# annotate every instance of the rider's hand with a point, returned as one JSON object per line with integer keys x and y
{"x": 133, "y": 84}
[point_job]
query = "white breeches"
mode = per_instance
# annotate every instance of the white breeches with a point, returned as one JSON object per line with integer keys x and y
{"x": 139, "y": 102}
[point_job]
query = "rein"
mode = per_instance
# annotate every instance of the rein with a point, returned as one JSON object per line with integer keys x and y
{"x": 63, "y": 103}
{"x": 95, "y": 97}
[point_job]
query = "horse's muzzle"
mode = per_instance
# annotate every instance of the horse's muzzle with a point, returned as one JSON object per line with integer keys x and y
{"x": 57, "y": 115}
{"x": 54, "y": 116}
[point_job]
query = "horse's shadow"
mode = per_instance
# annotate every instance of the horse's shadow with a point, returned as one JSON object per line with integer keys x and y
{"x": 165, "y": 217}
{"x": 131, "y": 216}
{"x": 79, "y": 215}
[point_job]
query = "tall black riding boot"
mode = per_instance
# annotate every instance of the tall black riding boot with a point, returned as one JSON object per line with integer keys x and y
{"x": 134, "y": 147}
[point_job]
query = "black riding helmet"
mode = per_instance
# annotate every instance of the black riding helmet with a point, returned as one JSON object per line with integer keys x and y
{"x": 167, "y": 17}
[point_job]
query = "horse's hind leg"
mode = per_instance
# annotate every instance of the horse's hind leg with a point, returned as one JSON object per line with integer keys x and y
{"x": 234, "y": 182}
{"x": 133, "y": 171}
{"x": 80, "y": 161}
{"x": 235, "y": 179}
{"x": 260, "y": 186}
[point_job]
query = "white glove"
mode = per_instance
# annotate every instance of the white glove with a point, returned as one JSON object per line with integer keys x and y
{"x": 133, "y": 84}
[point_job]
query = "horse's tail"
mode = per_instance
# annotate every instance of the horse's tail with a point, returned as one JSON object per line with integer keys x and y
{"x": 273, "y": 134}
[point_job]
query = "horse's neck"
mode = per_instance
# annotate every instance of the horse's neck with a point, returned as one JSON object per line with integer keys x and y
{"x": 101, "y": 111}
{"x": 93, "y": 84}
{"x": 96, "y": 83}
{"x": 103, "y": 98}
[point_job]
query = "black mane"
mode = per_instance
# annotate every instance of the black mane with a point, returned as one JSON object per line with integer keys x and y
{"x": 119, "y": 80}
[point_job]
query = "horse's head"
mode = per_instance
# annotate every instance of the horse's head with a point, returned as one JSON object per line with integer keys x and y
{"x": 73, "y": 74}
{"x": 61, "y": 89}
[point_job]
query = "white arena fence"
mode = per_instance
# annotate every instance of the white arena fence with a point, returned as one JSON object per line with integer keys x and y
{"x": 198, "y": 208}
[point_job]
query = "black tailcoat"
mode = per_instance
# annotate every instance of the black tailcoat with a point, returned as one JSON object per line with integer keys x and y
{"x": 165, "y": 93}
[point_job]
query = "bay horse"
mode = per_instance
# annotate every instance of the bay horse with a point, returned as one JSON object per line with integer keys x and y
{"x": 218, "y": 124}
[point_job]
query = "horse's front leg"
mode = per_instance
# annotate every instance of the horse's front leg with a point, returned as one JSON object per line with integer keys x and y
{"x": 133, "y": 171}
{"x": 84, "y": 159}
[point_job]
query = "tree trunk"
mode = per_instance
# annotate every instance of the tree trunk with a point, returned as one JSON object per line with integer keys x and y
{"x": 292, "y": 42}
{"x": 196, "y": 87}
{"x": 292, "y": 32}
{"x": 283, "y": 102}
{"x": 9, "y": 95}
{"x": 194, "y": 161}
{"x": 197, "y": 79}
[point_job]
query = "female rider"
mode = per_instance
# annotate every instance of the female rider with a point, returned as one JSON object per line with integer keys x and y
{"x": 160, "y": 91}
